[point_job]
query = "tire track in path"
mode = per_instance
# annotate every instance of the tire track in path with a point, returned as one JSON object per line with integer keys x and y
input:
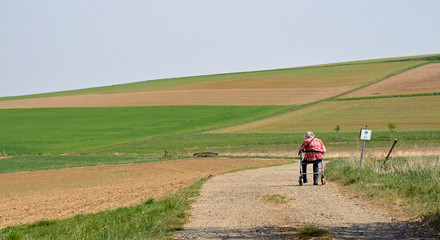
{"x": 232, "y": 206}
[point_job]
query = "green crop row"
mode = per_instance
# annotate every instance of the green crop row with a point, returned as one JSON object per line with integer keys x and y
{"x": 419, "y": 94}
{"x": 45, "y": 162}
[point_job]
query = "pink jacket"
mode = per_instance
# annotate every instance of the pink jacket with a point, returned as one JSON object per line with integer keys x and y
{"x": 313, "y": 144}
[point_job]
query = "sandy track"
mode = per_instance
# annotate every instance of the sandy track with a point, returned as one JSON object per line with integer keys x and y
{"x": 258, "y": 96}
{"x": 422, "y": 79}
{"x": 232, "y": 206}
{"x": 30, "y": 196}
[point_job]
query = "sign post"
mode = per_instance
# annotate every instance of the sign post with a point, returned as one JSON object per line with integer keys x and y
{"x": 366, "y": 136}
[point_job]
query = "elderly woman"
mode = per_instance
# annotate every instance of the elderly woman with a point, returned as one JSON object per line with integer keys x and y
{"x": 313, "y": 148}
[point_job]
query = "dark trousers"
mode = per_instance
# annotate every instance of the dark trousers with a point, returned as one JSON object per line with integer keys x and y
{"x": 315, "y": 170}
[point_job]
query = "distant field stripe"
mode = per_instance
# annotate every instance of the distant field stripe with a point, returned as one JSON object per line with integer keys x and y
{"x": 211, "y": 97}
{"x": 420, "y": 79}
{"x": 399, "y": 71}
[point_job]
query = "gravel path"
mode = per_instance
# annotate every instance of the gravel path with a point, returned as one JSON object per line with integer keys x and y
{"x": 232, "y": 206}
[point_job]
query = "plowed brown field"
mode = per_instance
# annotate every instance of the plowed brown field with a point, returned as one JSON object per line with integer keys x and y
{"x": 30, "y": 196}
{"x": 422, "y": 79}
{"x": 260, "y": 96}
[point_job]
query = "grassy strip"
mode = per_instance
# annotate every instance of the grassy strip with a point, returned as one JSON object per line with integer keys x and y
{"x": 42, "y": 162}
{"x": 415, "y": 65}
{"x": 420, "y": 94}
{"x": 411, "y": 183}
{"x": 154, "y": 219}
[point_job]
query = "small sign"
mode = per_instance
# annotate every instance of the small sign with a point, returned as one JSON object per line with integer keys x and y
{"x": 365, "y": 134}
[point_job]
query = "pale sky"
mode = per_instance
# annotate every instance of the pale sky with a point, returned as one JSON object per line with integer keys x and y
{"x": 54, "y": 45}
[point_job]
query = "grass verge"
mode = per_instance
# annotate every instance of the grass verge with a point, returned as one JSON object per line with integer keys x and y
{"x": 43, "y": 162}
{"x": 153, "y": 219}
{"x": 409, "y": 183}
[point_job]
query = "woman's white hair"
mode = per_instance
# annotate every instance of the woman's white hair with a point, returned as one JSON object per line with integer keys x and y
{"x": 308, "y": 134}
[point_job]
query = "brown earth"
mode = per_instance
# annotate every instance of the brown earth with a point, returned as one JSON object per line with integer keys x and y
{"x": 422, "y": 79}
{"x": 53, "y": 194}
{"x": 261, "y": 96}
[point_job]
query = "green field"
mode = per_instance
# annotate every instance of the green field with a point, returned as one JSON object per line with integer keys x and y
{"x": 63, "y": 130}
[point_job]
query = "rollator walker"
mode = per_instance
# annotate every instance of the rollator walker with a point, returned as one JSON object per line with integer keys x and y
{"x": 301, "y": 176}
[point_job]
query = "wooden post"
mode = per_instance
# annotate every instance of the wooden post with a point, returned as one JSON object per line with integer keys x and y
{"x": 389, "y": 153}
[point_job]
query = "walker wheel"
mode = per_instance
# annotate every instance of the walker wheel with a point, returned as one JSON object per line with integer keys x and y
{"x": 300, "y": 181}
{"x": 323, "y": 180}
